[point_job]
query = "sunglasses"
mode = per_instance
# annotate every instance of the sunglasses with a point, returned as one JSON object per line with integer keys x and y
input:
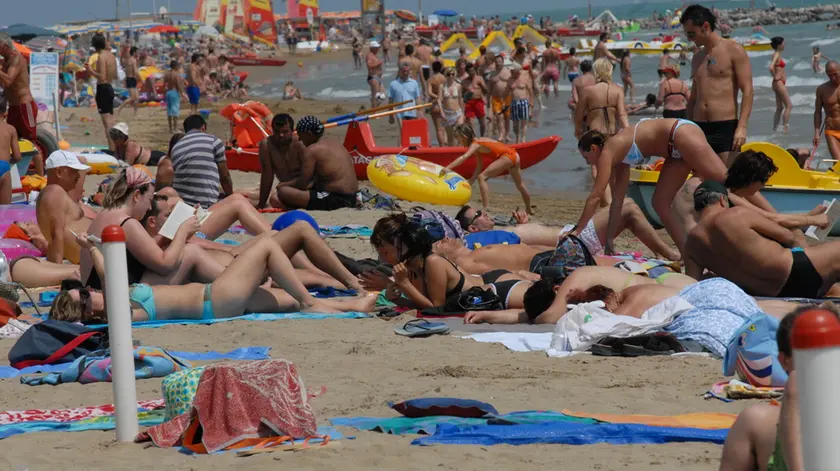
{"x": 87, "y": 302}
{"x": 478, "y": 214}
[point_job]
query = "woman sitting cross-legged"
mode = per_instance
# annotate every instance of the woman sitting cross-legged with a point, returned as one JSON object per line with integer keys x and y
{"x": 238, "y": 290}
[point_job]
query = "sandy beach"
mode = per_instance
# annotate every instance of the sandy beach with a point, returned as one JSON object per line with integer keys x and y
{"x": 363, "y": 365}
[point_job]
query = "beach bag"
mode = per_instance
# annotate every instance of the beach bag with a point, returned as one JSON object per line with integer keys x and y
{"x": 753, "y": 353}
{"x": 473, "y": 299}
{"x": 570, "y": 254}
{"x": 439, "y": 225}
{"x": 179, "y": 391}
{"x": 52, "y": 342}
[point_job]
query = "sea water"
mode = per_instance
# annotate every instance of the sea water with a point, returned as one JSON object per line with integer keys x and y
{"x": 564, "y": 170}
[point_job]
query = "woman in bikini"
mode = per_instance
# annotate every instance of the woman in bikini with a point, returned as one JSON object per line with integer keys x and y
{"x": 601, "y": 106}
{"x": 126, "y": 202}
{"x": 451, "y": 104}
{"x": 673, "y": 93}
{"x": 131, "y": 152}
{"x": 237, "y": 291}
{"x": 505, "y": 159}
{"x": 777, "y": 71}
{"x": 427, "y": 280}
{"x": 685, "y": 149}
{"x": 627, "y": 75}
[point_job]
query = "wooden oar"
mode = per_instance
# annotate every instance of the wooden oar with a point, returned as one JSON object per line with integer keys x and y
{"x": 375, "y": 116}
{"x": 366, "y": 112}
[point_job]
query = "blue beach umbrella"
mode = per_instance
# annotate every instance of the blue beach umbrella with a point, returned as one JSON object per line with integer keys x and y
{"x": 445, "y": 13}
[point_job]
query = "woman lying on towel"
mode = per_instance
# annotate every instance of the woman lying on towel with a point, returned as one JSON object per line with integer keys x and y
{"x": 238, "y": 290}
{"x": 544, "y": 302}
{"x": 426, "y": 279}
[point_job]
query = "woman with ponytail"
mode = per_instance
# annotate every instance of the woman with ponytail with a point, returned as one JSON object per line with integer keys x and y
{"x": 126, "y": 202}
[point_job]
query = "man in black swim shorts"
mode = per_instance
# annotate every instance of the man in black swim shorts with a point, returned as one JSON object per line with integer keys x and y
{"x": 327, "y": 179}
{"x": 752, "y": 251}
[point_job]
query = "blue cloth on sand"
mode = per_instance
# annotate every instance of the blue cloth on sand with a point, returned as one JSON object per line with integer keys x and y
{"x": 173, "y": 103}
{"x": 567, "y": 433}
{"x": 720, "y": 308}
{"x": 244, "y": 353}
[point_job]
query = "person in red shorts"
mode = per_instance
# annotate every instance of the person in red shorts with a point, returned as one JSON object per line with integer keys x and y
{"x": 474, "y": 105}
{"x": 14, "y": 79}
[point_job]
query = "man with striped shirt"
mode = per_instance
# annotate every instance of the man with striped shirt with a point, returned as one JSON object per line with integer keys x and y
{"x": 200, "y": 166}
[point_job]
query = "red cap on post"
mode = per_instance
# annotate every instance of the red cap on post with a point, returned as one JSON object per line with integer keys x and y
{"x": 816, "y": 328}
{"x": 113, "y": 233}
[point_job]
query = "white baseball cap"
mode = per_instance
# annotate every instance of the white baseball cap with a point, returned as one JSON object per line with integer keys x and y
{"x": 121, "y": 127}
{"x": 62, "y": 158}
{"x": 374, "y": 43}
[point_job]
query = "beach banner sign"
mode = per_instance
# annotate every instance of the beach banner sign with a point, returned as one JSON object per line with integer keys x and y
{"x": 43, "y": 78}
{"x": 372, "y": 7}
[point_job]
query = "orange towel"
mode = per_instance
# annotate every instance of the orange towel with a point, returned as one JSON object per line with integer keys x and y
{"x": 704, "y": 420}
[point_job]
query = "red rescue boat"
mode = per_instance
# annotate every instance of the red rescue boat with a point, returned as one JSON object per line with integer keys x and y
{"x": 255, "y": 61}
{"x": 359, "y": 141}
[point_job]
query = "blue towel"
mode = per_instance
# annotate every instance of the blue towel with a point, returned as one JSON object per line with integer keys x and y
{"x": 247, "y": 317}
{"x": 359, "y": 231}
{"x": 245, "y": 353}
{"x": 330, "y": 292}
{"x": 428, "y": 425}
{"x": 567, "y": 433}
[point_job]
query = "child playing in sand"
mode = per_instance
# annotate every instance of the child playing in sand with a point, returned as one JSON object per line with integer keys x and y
{"x": 175, "y": 90}
{"x": 9, "y": 153}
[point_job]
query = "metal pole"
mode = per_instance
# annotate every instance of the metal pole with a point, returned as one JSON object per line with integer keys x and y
{"x": 130, "y": 28}
{"x": 420, "y": 12}
{"x": 118, "y": 10}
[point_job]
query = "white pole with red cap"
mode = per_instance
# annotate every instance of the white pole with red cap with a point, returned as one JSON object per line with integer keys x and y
{"x": 816, "y": 355}
{"x": 118, "y": 306}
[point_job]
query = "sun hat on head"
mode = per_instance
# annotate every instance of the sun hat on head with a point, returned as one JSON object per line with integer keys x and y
{"x": 374, "y": 43}
{"x": 121, "y": 127}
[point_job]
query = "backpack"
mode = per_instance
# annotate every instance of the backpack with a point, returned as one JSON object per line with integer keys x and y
{"x": 473, "y": 299}
{"x": 571, "y": 253}
{"x": 439, "y": 225}
{"x": 753, "y": 353}
{"x": 51, "y": 342}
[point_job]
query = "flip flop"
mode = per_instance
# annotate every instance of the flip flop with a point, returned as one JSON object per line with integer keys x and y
{"x": 421, "y": 328}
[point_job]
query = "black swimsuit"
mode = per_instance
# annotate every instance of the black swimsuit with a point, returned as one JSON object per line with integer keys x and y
{"x": 503, "y": 289}
{"x": 136, "y": 269}
{"x": 606, "y": 114}
{"x": 679, "y": 114}
{"x": 154, "y": 158}
{"x": 493, "y": 275}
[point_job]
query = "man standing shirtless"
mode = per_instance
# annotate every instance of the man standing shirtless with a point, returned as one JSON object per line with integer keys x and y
{"x": 105, "y": 74}
{"x": 720, "y": 69}
{"x": 327, "y": 179}
{"x": 474, "y": 90}
{"x": 57, "y": 212}
{"x": 522, "y": 97}
{"x": 601, "y": 49}
{"x": 280, "y": 156}
{"x": 551, "y": 68}
{"x": 130, "y": 67}
{"x": 416, "y": 66}
{"x": 14, "y": 80}
{"x": 374, "y": 80}
{"x": 571, "y": 65}
{"x": 664, "y": 59}
{"x": 828, "y": 99}
{"x": 194, "y": 83}
{"x": 174, "y": 92}
{"x": 754, "y": 252}
{"x": 424, "y": 55}
{"x": 500, "y": 100}
{"x": 579, "y": 83}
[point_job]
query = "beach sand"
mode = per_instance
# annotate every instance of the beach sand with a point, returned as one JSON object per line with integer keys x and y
{"x": 363, "y": 364}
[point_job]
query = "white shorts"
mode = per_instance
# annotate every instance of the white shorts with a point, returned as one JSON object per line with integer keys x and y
{"x": 588, "y": 236}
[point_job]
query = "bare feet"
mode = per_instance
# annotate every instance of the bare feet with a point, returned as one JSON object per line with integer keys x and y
{"x": 318, "y": 307}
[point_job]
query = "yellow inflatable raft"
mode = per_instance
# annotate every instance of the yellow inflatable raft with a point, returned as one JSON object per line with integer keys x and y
{"x": 413, "y": 179}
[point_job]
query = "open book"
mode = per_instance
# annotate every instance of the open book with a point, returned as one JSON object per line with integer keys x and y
{"x": 181, "y": 213}
{"x": 833, "y": 213}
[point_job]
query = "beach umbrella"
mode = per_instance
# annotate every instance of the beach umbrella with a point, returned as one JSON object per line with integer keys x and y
{"x": 25, "y": 32}
{"x": 406, "y": 15}
{"x": 164, "y": 29}
{"x": 445, "y": 13}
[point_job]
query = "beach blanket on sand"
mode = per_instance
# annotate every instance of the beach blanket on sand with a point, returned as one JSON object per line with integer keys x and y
{"x": 243, "y": 353}
{"x": 428, "y": 425}
{"x": 246, "y": 317}
{"x": 700, "y": 420}
{"x": 95, "y": 367}
{"x": 146, "y": 418}
{"x": 567, "y": 433}
{"x": 69, "y": 415}
{"x": 349, "y": 231}
{"x": 238, "y": 403}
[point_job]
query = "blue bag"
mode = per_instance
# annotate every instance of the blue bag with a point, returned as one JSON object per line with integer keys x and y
{"x": 753, "y": 354}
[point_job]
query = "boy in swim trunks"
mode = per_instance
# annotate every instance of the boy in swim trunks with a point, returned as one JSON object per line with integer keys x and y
{"x": 9, "y": 153}
{"x": 193, "y": 82}
{"x": 174, "y": 91}
{"x": 571, "y": 65}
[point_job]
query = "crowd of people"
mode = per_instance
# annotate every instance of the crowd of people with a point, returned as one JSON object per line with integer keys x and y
{"x": 721, "y": 226}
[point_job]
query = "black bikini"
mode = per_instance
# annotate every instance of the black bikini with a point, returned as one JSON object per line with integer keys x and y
{"x": 504, "y": 288}
{"x": 679, "y": 114}
{"x": 136, "y": 269}
{"x": 606, "y": 114}
{"x": 155, "y": 157}
{"x": 493, "y": 275}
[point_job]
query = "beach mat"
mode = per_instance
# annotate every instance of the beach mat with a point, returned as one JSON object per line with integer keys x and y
{"x": 428, "y": 425}
{"x": 700, "y": 420}
{"x": 247, "y": 317}
{"x": 244, "y": 353}
{"x": 75, "y": 420}
{"x": 457, "y": 325}
{"x": 567, "y": 433}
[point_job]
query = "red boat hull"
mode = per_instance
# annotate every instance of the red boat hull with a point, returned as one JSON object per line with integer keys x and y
{"x": 362, "y": 147}
{"x": 256, "y": 61}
